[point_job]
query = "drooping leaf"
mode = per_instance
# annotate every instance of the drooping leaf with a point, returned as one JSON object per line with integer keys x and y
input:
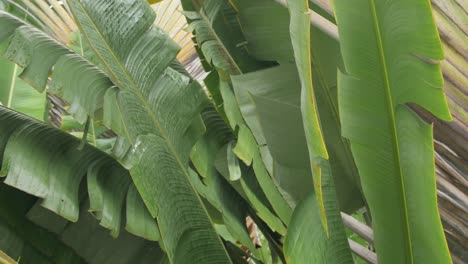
{"x": 273, "y": 113}
{"x": 36, "y": 53}
{"x": 232, "y": 54}
{"x": 217, "y": 190}
{"x": 231, "y": 58}
{"x": 49, "y": 164}
{"x": 259, "y": 189}
{"x": 307, "y": 242}
{"x": 108, "y": 185}
{"x": 168, "y": 105}
{"x": 318, "y": 154}
{"x": 138, "y": 219}
{"x": 391, "y": 52}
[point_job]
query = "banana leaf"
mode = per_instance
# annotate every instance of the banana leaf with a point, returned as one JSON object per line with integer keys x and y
{"x": 49, "y": 163}
{"x": 391, "y": 53}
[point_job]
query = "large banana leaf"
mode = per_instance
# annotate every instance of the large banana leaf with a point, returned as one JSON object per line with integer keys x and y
{"x": 167, "y": 105}
{"x": 170, "y": 138}
{"x": 391, "y": 52}
{"x": 278, "y": 112}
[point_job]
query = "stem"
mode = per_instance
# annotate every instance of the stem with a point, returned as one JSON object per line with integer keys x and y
{"x": 12, "y": 86}
{"x": 85, "y": 134}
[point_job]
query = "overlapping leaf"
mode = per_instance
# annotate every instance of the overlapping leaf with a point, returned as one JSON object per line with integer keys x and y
{"x": 24, "y": 241}
{"x": 51, "y": 164}
{"x": 160, "y": 109}
{"x": 229, "y": 53}
{"x": 307, "y": 242}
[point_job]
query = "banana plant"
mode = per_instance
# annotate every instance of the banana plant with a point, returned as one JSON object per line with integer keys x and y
{"x": 269, "y": 112}
{"x": 76, "y": 105}
{"x": 278, "y": 140}
{"x": 174, "y": 138}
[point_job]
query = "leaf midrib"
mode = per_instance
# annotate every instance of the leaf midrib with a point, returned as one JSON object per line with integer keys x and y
{"x": 153, "y": 117}
{"x": 392, "y": 120}
{"x": 132, "y": 82}
{"x": 12, "y": 86}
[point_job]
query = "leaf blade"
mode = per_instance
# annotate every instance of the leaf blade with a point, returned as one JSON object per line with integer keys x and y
{"x": 401, "y": 68}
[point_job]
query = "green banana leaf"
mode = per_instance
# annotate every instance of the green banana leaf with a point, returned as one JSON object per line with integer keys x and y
{"x": 82, "y": 93}
{"x": 325, "y": 53}
{"x": 17, "y": 94}
{"x": 318, "y": 154}
{"x": 307, "y": 242}
{"x": 391, "y": 53}
{"x": 156, "y": 94}
{"x": 272, "y": 96}
{"x": 218, "y": 36}
{"x": 213, "y": 187}
{"x": 28, "y": 150}
{"x": 50, "y": 164}
{"x": 210, "y": 157}
{"x": 273, "y": 113}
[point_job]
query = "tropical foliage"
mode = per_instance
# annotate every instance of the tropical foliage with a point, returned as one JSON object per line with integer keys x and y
{"x": 301, "y": 120}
